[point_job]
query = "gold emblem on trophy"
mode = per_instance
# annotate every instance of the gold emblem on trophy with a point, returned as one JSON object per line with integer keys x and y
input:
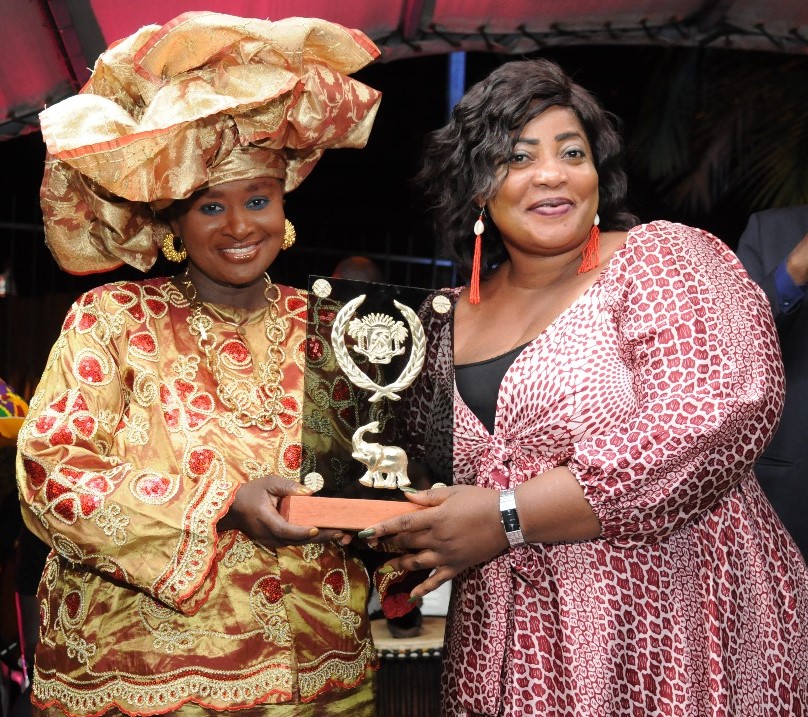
{"x": 378, "y": 337}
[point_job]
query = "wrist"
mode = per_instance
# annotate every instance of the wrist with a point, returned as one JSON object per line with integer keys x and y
{"x": 797, "y": 268}
{"x": 509, "y": 518}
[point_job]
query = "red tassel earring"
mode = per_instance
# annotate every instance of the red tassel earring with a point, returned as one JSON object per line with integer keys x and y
{"x": 474, "y": 284}
{"x": 591, "y": 252}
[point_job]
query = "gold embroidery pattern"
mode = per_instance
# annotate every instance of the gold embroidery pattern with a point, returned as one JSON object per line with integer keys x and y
{"x": 92, "y": 367}
{"x": 107, "y": 421}
{"x": 72, "y": 610}
{"x": 186, "y": 367}
{"x": 143, "y": 345}
{"x": 190, "y": 557}
{"x": 169, "y": 640}
{"x": 312, "y": 552}
{"x": 154, "y": 488}
{"x": 149, "y": 607}
{"x": 266, "y": 605}
{"x": 137, "y": 430}
{"x": 145, "y": 389}
{"x": 73, "y": 554}
{"x": 185, "y": 405}
{"x": 254, "y": 469}
{"x": 342, "y": 668}
{"x": 242, "y": 550}
{"x": 110, "y": 520}
{"x": 218, "y": 689}
{"x": 79, "y": 649}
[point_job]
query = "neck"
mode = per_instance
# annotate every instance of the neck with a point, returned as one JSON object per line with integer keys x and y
{"x": 537, "y": 272}
{"x": 246, "y": 296}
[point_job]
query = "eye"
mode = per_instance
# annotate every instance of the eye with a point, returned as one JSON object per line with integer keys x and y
{"x": 211, "y": 208}
{"x": 257, "y": 203}
{"x": 519, "y": 158}
{"x": 574, "y": 153}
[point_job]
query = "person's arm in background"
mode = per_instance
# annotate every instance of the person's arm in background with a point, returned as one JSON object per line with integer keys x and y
{"x": 785, "y": 285}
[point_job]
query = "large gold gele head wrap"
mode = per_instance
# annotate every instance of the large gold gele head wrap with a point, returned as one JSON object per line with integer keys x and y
{"x": 205, "y": 99}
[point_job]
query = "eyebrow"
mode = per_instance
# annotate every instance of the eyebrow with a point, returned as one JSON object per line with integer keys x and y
{"x": 558, "y": 138}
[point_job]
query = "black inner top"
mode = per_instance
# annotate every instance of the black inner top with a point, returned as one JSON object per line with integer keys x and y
{"x": 478, "y": 384}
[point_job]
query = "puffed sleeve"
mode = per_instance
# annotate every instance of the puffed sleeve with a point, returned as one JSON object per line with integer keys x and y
{"x": 151, "y": 527}
{"x": 700, "y": 342}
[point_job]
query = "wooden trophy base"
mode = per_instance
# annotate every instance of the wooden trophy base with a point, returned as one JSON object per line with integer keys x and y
{"x": 341, "y": 513}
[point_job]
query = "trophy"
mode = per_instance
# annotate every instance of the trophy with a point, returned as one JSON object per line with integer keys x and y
{"x": 377, "y": 416}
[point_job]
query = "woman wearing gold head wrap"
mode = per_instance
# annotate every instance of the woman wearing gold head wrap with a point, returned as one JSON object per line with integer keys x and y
{"x": 167, "y": 422}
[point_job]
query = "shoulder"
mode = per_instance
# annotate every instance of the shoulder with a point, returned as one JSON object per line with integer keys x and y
{"x": 782, "y": 227}
{"x": 664, "y": 242}
{"x": 663, "y": 251}
{"x": 795, "y": 214}
{"x": 135, "y": 299}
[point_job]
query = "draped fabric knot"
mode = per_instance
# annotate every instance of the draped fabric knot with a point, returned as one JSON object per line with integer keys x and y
{"x": 501, "y": 449}
{"x": 499, "y": 455}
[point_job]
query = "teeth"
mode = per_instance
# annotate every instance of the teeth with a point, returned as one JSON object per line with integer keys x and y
{"x": 240, "y": 250}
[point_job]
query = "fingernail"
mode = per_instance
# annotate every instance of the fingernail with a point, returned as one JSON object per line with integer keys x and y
{"x": 338, "y": 536}
{"x": 386, "y": 569}
{"x": 411, "y": 599}
{"x": 301, "y": 489}
{"x": 367, "y": 533}
{"x": 313, "y": 532}
{"x": 407, "y": 489}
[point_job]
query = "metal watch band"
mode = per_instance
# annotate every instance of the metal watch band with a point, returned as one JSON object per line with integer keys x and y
{"x": 510, "y": 518}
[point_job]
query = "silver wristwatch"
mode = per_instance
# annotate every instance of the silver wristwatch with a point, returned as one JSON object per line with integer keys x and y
{"x": 510, "y": 518}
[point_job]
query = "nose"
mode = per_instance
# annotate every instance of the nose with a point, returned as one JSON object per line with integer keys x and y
{"x": 549, "y": 171}
{"x": 239, "y": 224}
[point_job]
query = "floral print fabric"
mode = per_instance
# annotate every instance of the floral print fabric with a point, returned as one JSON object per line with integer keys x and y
{"x": 126, "y": 462}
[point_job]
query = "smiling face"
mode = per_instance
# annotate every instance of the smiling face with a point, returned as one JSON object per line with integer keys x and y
{"x": 232, "y": 233}
{"x": 547, "y": 202}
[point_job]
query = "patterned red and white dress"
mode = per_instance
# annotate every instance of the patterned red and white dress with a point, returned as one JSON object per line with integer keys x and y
{"x": 658, "y": 388}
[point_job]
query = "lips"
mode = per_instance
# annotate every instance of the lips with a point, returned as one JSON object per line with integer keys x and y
{"x": 241, "y": 252}
{"x": 553, "y": 207}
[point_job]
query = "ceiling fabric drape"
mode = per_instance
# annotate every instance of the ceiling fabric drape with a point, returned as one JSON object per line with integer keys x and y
{"x": 47, "y": 46}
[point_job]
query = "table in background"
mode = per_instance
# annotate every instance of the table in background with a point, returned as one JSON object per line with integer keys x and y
{"x": 408, "y": 682}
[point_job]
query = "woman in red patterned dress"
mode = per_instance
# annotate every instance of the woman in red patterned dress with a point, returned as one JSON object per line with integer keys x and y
{"x": 614, "y": 383}
{"x": 168, "y": 419}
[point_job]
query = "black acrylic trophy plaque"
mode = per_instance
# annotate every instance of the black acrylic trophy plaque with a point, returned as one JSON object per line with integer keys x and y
{"x": 377, "y": 413}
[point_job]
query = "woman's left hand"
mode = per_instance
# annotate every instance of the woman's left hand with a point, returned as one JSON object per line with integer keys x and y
{"x": 460, "y": 527}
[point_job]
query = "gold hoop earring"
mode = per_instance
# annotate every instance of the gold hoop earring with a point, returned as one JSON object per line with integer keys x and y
{"x": 289, "y": 234}
{"x": 170, "y": 251}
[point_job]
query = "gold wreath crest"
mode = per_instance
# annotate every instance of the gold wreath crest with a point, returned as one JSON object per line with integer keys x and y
{"x": 356, "y": 375}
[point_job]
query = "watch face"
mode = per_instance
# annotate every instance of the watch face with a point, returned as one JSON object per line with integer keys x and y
{"x": 510, "y": 520}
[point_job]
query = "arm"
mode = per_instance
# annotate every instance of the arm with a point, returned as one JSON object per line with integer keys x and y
{"x": 709, "y": 381}
{"x": 785, "y": 282}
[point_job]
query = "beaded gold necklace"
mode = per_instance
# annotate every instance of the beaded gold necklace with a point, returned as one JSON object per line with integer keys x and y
{"x": 251, "y": 403}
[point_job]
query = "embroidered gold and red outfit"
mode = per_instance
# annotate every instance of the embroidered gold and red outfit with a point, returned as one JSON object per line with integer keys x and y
{"x": 127, "y": 460}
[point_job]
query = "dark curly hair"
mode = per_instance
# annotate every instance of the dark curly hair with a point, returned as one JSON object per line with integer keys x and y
{"x": 463, "y": 160}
